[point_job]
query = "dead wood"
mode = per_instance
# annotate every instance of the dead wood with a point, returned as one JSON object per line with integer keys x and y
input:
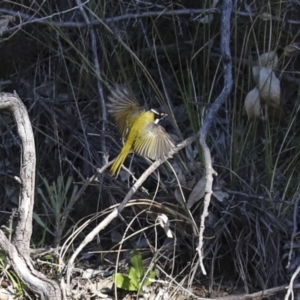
{"x": 18, "y": 250}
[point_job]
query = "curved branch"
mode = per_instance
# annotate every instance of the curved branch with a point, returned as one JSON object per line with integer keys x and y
{"x": 18, "y": 251}
{"x": 228, "y": 82}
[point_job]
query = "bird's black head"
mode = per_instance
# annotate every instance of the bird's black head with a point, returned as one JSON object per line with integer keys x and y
{"x": 158, "y": 115}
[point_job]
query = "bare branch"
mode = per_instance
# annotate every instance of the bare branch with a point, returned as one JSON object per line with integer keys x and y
{"x": 290, "y": 290}
{"x": 47, "y": 20}
{"x": 27, "y": 170}
{"x": 228, "y": 82}
{"x": 259, "y": 295}
{"x": 178, "y": 12}
{"x": 18, "y": 251}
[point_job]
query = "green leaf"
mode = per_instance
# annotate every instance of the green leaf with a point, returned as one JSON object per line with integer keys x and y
{"x": 45, "y": 199}
{"x": 123, "y": 282}
{"x": 48, "y": 256}
{"x": 37, "y": 218}
{"x": 2, "y": 257}
{"x": 150, "y": 275}
{"x": 133, "y": 277}
{"x": 137, "y": 263}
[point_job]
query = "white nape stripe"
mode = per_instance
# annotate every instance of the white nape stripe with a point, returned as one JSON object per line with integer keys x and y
{"x": 155, "y": 111}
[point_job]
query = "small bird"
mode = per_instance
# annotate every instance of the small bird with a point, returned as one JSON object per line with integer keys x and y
{"x": 139, "y": 127}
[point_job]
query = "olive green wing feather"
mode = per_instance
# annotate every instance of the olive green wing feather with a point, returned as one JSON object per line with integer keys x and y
{"x": 124, "y": 107}
{"x": 153, "y": 142}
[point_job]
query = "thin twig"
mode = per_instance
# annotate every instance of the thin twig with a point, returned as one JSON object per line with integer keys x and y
{"x": 119, "y": 209}
{"x": 290, "y": 287}
{"x": 228, "y": 82}
{"x": 178, "y": 12}
{"x": 69, "y": 24}
{"x": 98, "y": 76}
{"x": 259, "y": 295}
{"x": 258, "y": 197}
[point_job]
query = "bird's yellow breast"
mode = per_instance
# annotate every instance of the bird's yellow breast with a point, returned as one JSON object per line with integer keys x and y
{"x": 139, "y": 124}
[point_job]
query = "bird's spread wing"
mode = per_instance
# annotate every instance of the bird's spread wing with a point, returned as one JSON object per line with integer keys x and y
{"x": 153, "y": 142}
{"x": 124, "y": 107}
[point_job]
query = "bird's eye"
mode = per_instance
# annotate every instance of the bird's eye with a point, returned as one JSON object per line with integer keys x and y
{"x": 159, "y": 114}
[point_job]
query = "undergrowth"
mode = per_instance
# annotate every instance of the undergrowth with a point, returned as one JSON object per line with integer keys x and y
{"x": 170, "y": 61}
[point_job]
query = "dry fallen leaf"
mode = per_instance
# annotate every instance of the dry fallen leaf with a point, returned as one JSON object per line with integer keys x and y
{"x": 269, "y": 87}
{"x": 197, "y": 193}
{"x": 4, "y": 21}
{"x": 220, "y": 195}
{"x": 268, "y": 59}
{"x": 164, "y": 222}
{"x": 255, "y": 73}
{"x": 291, "y": 50}
{"x": 252, "y": 104}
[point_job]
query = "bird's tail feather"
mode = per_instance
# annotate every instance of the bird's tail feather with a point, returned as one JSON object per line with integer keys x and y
{"x": 116, "y": 166}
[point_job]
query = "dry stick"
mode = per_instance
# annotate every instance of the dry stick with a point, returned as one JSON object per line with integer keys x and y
{"x": 18, "y": 251}
{"x": 228, "y": 82}
{"x": 258, "y": 295}
{"x": 166, "y": 12}
{"x": 98, "y": 75}
{"x": 119, "y": 209}
{"x": 69, "y": 24}
{"x": 290, "y": 287}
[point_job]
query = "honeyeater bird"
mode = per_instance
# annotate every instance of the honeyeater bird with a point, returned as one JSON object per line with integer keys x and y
{"x": 139, "y": 127}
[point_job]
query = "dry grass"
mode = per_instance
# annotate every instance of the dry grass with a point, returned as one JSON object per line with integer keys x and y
{"x": 169, "y": 61}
